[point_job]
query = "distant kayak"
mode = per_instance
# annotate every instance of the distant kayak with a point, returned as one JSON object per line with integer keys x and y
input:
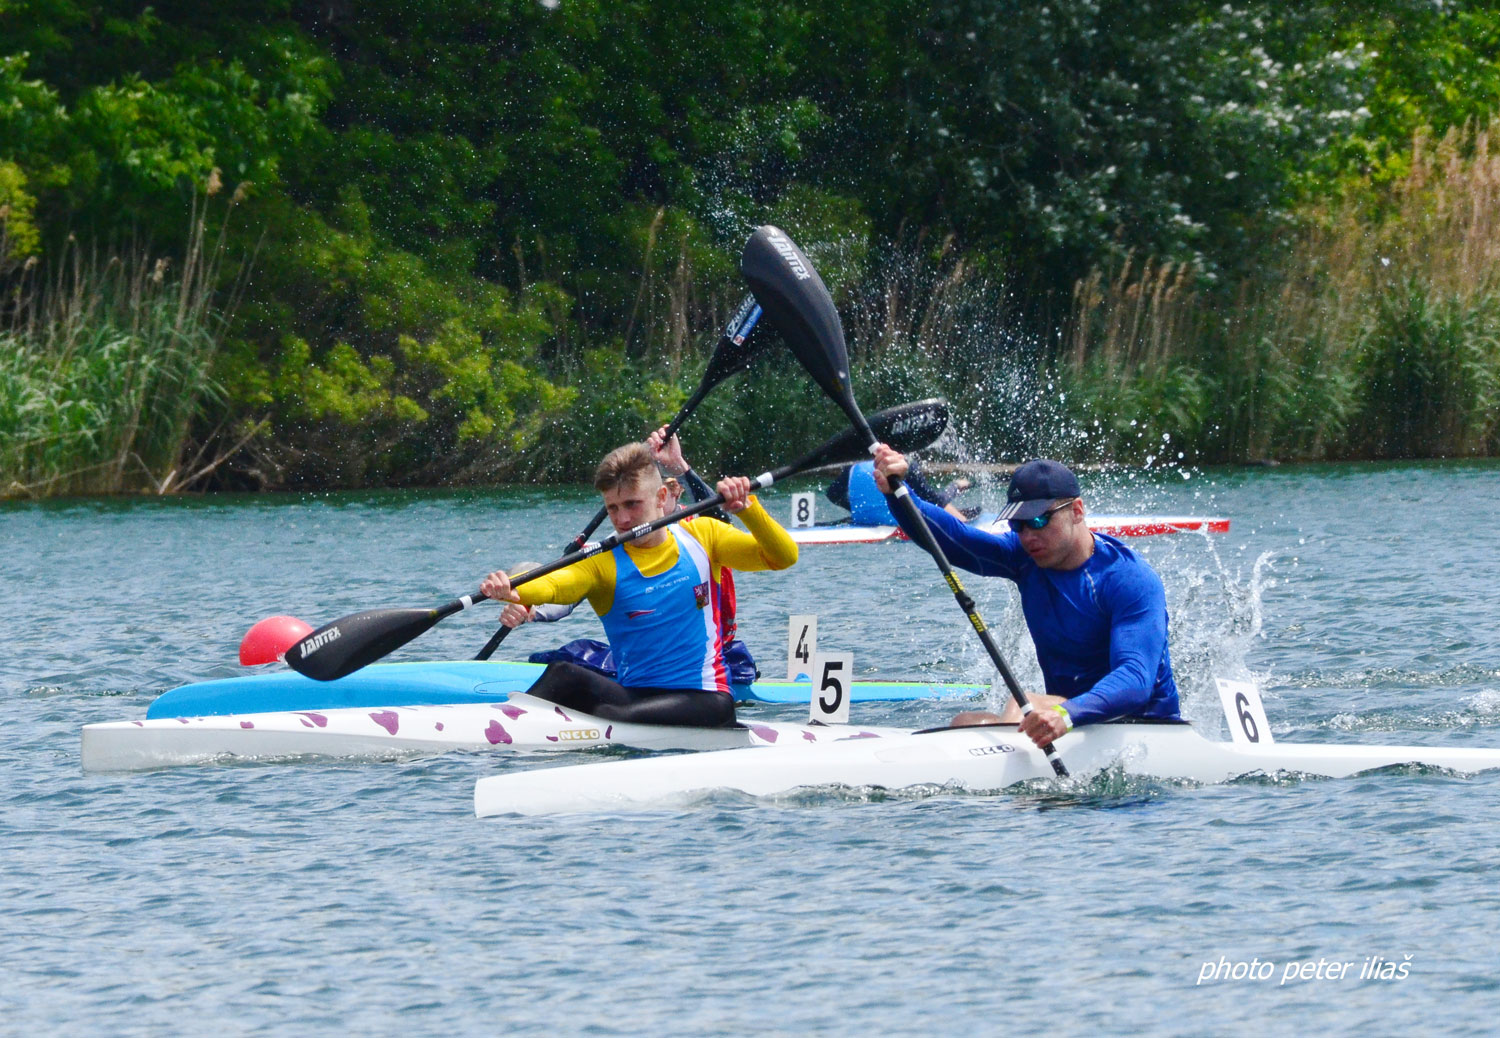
{"x": 1114, "y": 525}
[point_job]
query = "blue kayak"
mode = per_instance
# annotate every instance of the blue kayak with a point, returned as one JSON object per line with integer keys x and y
{"x": 458, "y": 681}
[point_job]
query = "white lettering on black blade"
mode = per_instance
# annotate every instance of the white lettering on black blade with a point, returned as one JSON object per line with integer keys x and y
{"x": 783, "y": 245}
{"x": 641, "y": 530}
{"x": 317, "y": 641}
{"x": 910, "y": 423}
{"x": 591, "y": 548}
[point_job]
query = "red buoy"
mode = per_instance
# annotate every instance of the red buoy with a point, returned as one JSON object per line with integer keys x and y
{"x": 268, "y": 641}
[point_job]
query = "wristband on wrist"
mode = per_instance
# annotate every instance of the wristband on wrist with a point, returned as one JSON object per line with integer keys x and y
{"x": 1066, "y": 716}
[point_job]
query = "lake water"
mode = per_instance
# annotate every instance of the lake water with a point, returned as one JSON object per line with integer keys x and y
{"x": 365, "y": 898}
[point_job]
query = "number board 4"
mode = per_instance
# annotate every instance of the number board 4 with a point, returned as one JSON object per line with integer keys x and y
{"x": 801, "y": 643}
{"x": 802, "y": 509}
{"x": 1245, "y": 712}
{"x": 833, "y": 674}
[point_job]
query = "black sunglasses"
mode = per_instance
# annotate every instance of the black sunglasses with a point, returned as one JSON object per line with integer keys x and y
{"x": 1039, "y": 522}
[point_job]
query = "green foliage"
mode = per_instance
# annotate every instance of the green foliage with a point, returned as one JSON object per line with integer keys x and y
{"x": 497, "y": 238}
{"x": 431, "y": 378}
{"x": 19, "y": 237}
{"x": 98, "y": 389}
{"x": 1430, "y": 369}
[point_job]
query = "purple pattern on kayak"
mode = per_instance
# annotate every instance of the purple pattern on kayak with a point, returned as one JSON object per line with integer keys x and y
{"x": 497, "y": 734}
{"x": 564, "y": 716}
{"x": 309, "y": 719}
{"x": 512, "y": 712}
{"x": 608, "y": 730}
{"x": 247, "y": 724}
{"x": 182, "y": 720}
{"x": 139, "y": 724}
{"x": 439, "y": 725}
{"x": 866, "y": 735}
{"x": 768, "y": 734}
{"x": 809, "y": 736}
{"x": 387, "y": 719}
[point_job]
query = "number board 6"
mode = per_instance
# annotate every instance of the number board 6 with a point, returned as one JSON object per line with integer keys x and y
{"x": 1244, "y": 712}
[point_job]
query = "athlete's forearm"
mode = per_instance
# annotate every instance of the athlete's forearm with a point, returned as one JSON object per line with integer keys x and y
{"x": 565, "y": 586}
{"x": 1137, "y": 646}
{"x": 766, "y": 546}
{"x": 965, "y": 546}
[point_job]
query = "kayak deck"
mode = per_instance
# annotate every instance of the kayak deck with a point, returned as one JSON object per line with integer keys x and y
{"x": 979, "y": 759}
{"x": 522, "y": 723}
{"x": 458, "y": 681}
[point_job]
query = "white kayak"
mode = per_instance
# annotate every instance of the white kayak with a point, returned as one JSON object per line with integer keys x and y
{"x": 963, "y": 759}
{"x": 1114, "y": 525}
{"x": 520, "y": 723}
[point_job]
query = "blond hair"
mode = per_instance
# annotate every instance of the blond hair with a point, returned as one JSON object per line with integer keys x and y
{"x": 629, "y": 464}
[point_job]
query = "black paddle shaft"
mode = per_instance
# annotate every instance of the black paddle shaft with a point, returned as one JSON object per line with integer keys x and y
{"x": 799, "y": 305}
{"x": 732, "y": 355}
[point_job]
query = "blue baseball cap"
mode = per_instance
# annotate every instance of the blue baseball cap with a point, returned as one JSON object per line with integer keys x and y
{"x": 1035, "y": 485}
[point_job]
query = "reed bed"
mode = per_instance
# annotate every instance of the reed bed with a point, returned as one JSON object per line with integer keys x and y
{"x": 105, "y": 365}
{"x": 1376, "y": 334}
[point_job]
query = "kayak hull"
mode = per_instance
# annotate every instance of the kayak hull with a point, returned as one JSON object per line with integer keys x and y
{"x": 1114, "y": 525}
{"x": 522, "y": 723}
{"x": 457, "y": 681}
{"x": 979, "y": 759}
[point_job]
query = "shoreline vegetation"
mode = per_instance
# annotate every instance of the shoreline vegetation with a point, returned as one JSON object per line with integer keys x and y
{"x": 420, "y": 275}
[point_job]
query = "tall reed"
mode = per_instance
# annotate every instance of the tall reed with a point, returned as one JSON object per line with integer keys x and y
{"x": 1374, "y": 335}
{"x": 105, "y": 363}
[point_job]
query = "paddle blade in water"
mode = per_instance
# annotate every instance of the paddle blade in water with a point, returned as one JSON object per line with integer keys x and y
{"x": 798, "y": 305}
{"x": 268, "y": 640}
{"x": 353, "y": 641}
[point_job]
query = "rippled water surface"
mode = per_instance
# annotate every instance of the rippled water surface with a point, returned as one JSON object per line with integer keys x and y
{"x": 364, "y": 898}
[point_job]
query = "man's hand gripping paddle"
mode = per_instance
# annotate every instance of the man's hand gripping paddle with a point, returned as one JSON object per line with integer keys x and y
{"x": 797, "y": 303}
{"x": 353, "y": 641}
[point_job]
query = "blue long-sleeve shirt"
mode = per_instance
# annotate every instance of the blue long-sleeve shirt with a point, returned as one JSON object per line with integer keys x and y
{"x": 1100, "y": 630}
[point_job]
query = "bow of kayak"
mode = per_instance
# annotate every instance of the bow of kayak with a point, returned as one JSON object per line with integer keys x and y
{"x": 979, "y": 759}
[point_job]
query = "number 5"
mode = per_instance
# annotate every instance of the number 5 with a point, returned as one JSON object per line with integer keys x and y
{"x": 830, "y": 699}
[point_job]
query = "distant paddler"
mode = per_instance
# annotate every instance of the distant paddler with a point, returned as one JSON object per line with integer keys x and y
{"x": 659, "y": 597}
{"x": 854, "y": 488}
{"x": 1096, "y": 611}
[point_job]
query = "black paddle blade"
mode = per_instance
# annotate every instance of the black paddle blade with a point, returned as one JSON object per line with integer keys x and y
{"x": 798, "y": 305}
{"x": 352, "y": 641}
{"x": 910, "y": 427}
{"x": 737, "y": 347}
{"x": 906, "y": 427}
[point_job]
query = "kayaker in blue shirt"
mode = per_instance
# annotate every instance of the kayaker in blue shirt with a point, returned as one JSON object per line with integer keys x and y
{"x": 1096, "y": 611}
{"x": 854, "y": 488}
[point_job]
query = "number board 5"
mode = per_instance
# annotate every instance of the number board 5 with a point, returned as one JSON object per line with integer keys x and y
{"x": 1245, "y": 712}
{"x": 833, "y": 674}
